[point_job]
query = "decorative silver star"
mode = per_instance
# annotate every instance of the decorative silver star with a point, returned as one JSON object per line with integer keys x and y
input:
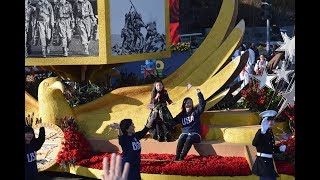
{"x": 288, "y": 46}
{"x": 265, "y": 80}
{"x": 289, "y": 98}
{"x": 282, "y": 74}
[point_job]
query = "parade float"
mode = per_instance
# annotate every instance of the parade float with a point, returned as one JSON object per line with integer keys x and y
{"x": 79, "y": 137}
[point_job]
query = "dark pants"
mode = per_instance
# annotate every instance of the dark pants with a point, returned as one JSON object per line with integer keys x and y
{"x": 184, "y": 144}
{"x": 134, "y": 171}
{"x": 268, "y": 178}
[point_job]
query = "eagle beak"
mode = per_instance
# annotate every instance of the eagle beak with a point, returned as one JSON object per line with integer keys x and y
{"x": 57, "y": 85}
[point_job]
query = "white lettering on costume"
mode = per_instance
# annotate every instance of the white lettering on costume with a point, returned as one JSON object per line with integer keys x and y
{"x": 136, "y": 145}
{"x": 187, "y": 120}
{"x": 31, "y": 156}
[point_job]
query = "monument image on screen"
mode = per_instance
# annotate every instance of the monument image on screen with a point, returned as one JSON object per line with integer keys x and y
{"x": 61, "y": 28}
{"x": 137, "y": 26}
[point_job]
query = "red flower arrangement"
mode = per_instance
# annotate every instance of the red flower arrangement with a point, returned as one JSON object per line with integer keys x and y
{"x": 257, "y": 99}
{"x": 287, "y": 165}
{"x": 75, "y": 146}
{"x": 261, "y": 99}
{"x": 284, "y": 167}
{"x": 288, "y": 114}
{"x": 290, "y": 148}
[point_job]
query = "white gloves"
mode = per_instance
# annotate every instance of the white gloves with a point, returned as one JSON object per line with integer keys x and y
{"x": 264, "y": 125}
{"x": 282, "y": 148}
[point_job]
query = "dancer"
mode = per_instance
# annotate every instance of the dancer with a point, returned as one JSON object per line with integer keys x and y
{"x": 162, "y": 127}
{"x": 265, "y": 144}
{"x": 32, "y": 145}
{"x": 130, "y": 144}
{"x": 189, "y": 117}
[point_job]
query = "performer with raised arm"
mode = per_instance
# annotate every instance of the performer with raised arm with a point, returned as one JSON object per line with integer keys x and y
{"x": 265, "y": 144}
{"x": 189, "y": 117}
{"x": 129, "y": 141}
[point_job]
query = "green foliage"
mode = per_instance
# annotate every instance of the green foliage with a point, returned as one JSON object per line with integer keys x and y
{"x": 81, "y": 93}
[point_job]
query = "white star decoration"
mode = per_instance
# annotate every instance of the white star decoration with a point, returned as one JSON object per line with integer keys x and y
{"x": 289, "y": 98}
{"x": 282, "y": 74}
{"x": 288, "y": 46}
{"x": 265, "y": 80}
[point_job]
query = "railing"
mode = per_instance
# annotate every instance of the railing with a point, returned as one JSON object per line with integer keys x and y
{"x": 187, "y": 37}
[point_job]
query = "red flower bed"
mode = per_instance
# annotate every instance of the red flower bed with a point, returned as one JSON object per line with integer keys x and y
{"x": 95, "y": 161}
{"x": 198, "y": 166}
{"x": 192, "y": 165}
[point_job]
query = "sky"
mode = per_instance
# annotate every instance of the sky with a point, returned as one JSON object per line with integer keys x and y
{"x": 149, "y": 9}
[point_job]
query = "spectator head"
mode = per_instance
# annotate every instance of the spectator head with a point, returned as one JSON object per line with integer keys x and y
{"x": 252, "y": 45}
{"x": 262, "y": 57}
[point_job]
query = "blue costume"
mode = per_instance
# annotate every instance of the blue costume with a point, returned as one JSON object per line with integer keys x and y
{"x": 131, "y": 149}
{"x": 190, "y": 128}
{"x": 30, "y": 160}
